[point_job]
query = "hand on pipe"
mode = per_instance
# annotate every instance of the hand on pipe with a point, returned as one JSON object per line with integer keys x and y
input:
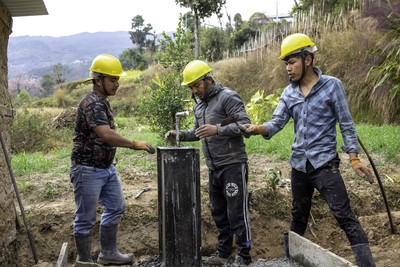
{"x": 170, "y": 136}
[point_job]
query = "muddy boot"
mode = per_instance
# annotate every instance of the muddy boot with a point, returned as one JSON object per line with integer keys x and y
{"x": 363, "y": 255}
{"x": 286, "y": 244}
{"x": 83, "y": 247}
{"x": 109, "y": 253}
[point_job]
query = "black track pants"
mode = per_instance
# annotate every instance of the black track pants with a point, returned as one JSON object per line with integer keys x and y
{"x": 229, "y": 208}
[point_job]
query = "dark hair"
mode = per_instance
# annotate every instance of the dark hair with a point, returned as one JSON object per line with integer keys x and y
{"x": 303, "y": 54}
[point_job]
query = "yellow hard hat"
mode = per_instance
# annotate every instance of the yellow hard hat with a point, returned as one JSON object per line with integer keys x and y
{"x": 108, "y": 65}
{"x": 294, "y": 42}
{"x": 195, "y": 70}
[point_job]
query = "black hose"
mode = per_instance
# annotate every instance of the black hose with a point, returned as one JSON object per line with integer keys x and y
{"x": 378, "y": 177}
{"x": 21, "y": 207}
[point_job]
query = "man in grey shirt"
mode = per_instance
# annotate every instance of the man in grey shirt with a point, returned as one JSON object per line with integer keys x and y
{"x": 226, "y": 159}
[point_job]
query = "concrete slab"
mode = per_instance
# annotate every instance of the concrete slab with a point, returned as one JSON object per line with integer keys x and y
{"x": 63, "y": 257}
{"x": 310, "y": 254}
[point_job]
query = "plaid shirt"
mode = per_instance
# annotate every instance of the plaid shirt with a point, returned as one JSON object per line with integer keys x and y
{"x": 315, "y": 118}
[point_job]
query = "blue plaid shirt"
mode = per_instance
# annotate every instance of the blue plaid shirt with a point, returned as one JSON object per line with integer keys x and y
{"x": 315, "y": 118}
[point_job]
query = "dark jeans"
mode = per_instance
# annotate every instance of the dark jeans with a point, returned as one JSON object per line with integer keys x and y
{"x": 229, "y": 208}
{"x": 328, "y": 181}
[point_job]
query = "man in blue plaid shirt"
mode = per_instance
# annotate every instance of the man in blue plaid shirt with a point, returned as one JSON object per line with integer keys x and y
{"x": 316, "y": 102}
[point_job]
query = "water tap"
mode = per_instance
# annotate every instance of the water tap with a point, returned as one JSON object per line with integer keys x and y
{"x": 178, "y": 116}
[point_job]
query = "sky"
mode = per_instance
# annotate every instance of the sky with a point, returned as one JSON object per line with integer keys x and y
{"x": 68, "y": 17}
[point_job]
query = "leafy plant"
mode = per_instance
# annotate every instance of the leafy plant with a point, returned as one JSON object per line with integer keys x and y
{"x": 260, "y": 108}
{"x": 50, "y": 190}
{"x": 388, "y": 72}
{"x": 274, "y": 177}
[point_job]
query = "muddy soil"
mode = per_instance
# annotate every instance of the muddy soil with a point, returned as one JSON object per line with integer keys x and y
{"x": 270, "y": 201}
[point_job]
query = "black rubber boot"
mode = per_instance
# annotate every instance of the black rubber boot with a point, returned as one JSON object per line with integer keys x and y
{"x": 286, "y": 244}
{"x": 363, "y": 255}
{"x": 109, "y": 253}
{"x": 83, "y": 248}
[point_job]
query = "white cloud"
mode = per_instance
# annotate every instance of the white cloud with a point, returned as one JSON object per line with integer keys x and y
{"x": 67, "y": 17}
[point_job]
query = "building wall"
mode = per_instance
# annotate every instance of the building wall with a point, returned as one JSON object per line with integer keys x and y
{"x": 7, "y": 194}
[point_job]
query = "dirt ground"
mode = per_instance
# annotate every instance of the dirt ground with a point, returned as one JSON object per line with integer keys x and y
{"x": 51, "y": 219}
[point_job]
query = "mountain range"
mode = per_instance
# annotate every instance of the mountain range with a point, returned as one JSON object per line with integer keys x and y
{"x": 34, "y": 56}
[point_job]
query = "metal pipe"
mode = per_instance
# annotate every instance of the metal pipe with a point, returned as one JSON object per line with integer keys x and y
{"x": 21, "y": 207}
{"x": 178, "y": 116}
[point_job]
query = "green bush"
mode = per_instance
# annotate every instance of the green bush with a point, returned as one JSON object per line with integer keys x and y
{"x": 21, "y": 99}
{"x": 165, "y": 98}
{"x": 30, "y": 132}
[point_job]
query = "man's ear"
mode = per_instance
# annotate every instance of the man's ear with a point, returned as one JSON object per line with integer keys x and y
{"x": 97, "y": 81}
{"x": 309, "y": 60}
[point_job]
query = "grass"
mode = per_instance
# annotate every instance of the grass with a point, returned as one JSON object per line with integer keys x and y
{"x": 26, "y": 163}
{"x": 280, "y": 146}
{"x": 378, "y": 139}
{"x": 382, "y": 139}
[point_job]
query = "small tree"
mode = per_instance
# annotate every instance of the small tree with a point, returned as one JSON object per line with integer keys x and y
{"x": 258, "y": 20}
{"x": 47, "y": 82}
{"x": 213, "y": 43}
{"x": 176, "y": 51}
{"x": 166, "y": 95}
{"x": 53, "y": 78}
{"x": 59, "y": 72}
{"x": 201, "y": 9}
{"x": 238, "y": 21}
{"x": 140, "y": 33}
{"x": 188, "y": 21}
{"x": 165, "y": 98}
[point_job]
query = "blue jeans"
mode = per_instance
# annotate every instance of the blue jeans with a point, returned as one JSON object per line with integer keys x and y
{"x": 93, "y": 185}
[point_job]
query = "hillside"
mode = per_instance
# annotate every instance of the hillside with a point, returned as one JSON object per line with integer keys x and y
{"x": 33, "y": 56}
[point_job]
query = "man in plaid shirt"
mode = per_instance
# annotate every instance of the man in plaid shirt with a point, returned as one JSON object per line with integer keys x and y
{"x": 316, "y": 102}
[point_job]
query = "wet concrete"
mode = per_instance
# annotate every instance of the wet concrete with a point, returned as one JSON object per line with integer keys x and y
{"x": 282, "y": 262}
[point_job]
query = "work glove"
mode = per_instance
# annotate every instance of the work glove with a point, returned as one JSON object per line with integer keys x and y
{"x": 170, "y": 136}
{"x": 361, "y": 170}
{"x": 143, "y": 145}
{"x": 255, "y": 129}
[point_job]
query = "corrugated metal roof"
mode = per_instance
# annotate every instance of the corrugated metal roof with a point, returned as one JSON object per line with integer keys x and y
{"x": 19, "y": 8}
